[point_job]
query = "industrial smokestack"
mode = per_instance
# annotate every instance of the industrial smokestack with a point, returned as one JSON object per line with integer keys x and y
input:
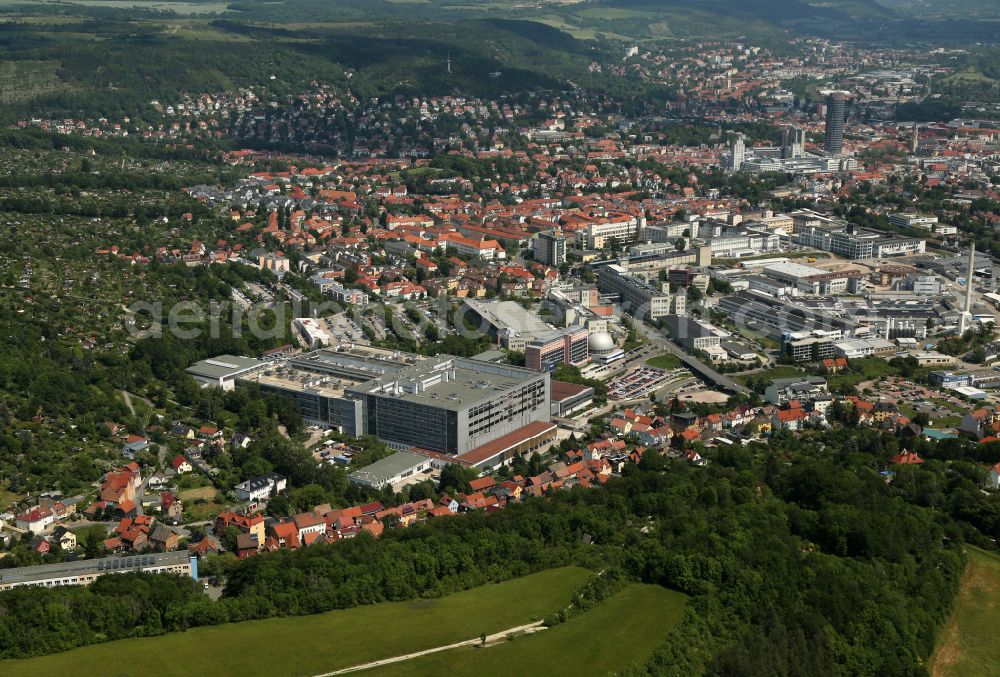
{"x": 968, "y": 280}
{"x": 967, "y": 311}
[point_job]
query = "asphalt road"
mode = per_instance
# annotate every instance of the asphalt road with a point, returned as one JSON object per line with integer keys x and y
{"x": 699, "y": 368}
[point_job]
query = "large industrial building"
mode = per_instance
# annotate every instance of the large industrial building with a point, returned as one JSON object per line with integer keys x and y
{"x": 318, "y": 381}
{"x": 507, "y": 323}
{"x": 811, "y": 280}
{"x": 451, "y": 405}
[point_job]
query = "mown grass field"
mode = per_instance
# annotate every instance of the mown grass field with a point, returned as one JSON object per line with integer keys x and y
{"x": 968, "y": 644}
{"x": 310, "y": 645}
{"x": 781, "y": 371}
{"x": 622, "y": 631}
{"x": 664, "y": 361}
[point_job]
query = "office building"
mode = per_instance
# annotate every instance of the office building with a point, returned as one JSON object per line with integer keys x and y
{"x": 690, "y": 334}
{"x": 925, "y": 285}
{"x": 578, "y": 306}
{"x": 86, "y": 571}
{"x": 636, "y": 296}
{"x": 913, "y": 220}
{"x": 460, "y": 410}
{"x": 737, "y": 153}
{"x": 550, "y": 248}
{"x": 864, "y": 347}
{"x": 621, "y": 229}
{"x": 836, "y": 117}
{"x": 811, "y": 346}
{"x": 560, "y": 346}
{"x": 948, "y": 379}
{"x": 317, "y": 382}
{"x": 852, "y": 242}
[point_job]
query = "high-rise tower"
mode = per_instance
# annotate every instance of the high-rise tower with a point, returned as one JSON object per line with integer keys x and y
{"x": 737, "y": 153}
{"x": 836, "y": 115}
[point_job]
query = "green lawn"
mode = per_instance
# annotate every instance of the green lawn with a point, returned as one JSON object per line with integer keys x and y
{"x": 620, "y": 632}
{"x": 967, "y": 646}
{"x": 664, "y": 361}
{"x": 781, "y": 371}
{"x": 864, "y": 369}
{"x": 309, "y": 645}
{"x": 8, "y": 498}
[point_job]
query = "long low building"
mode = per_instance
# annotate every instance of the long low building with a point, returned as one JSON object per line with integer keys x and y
{"x": 523, "y": 442}
{"x": 865, "y": 347}
{"x": 86, "y": 571}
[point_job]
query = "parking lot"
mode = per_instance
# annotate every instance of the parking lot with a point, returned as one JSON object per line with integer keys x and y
{"x": 640, "y": 383}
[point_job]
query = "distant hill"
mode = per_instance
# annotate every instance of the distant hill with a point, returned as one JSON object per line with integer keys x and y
{"x": 988, "y": 9}
{"x": 885, "y": 21}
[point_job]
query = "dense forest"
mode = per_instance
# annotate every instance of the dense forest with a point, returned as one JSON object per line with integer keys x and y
{"x": 798, "y": 556}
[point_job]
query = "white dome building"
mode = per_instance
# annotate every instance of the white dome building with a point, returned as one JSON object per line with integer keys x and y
{"x": 603, "y": 349}
{"x": 601, "y": 343}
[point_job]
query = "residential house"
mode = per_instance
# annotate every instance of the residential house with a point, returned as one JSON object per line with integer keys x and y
{"x": 181, "y": 465}
{"x": 163, "y": 538}
{"x": 979, "y": 423}
{"x": 247, "y": 524}
{"x": 65, "y": 538}
{"x": 133, "y": 445}
{"x": 171, "y": 507}
{"x": 36, "y": 520}
{"x": 309, "y": 523}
